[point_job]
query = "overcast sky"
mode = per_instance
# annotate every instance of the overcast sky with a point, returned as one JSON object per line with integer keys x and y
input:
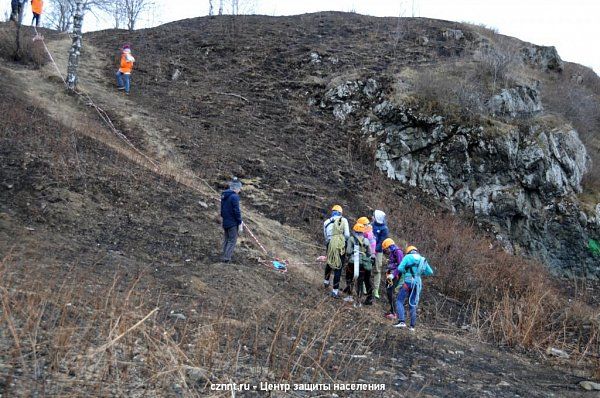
{"x": 572, "y": 26}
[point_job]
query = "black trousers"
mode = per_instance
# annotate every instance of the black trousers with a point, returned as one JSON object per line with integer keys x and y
{"x": 349, "y": 276}
{"x": 389, "y": 290}
{"x": 364, "y": 276}
{"x": 16, "y": 12}
{"x": 337, "y": 275}
{"x": 36, "y": 19}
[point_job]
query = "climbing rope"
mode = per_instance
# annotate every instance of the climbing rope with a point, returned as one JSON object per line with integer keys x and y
{"x": 156, "y": 167}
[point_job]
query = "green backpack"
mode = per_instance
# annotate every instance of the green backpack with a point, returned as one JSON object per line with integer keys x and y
{"x": 363, "y": 260}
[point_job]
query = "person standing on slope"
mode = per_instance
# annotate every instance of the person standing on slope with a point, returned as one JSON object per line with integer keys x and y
{"x": 359, "y": 246}
{"x": 392, "y": 280}
{"x": 381, "y": 232}
{"x": 36, "y": 8}
{"x": 16, "y": 10}
{"x": 412, "y": 267}
{"x": 372, "y": 243}
{"x": 232, "y": 218}
{"x": 336, "y": 231}
{"x": 125, "y": 68}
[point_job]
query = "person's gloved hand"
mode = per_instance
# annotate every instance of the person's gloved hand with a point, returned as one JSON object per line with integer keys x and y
{"x": 241, "y": 227}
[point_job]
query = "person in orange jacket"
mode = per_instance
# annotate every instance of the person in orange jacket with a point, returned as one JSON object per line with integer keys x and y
{"x": 126, "y": 66}
{"x": 36, "y": 8}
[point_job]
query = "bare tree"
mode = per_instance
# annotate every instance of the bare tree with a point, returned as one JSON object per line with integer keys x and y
{"x": 211, "y": 10}
{"x": 61, "y": 12}
{"x": 235, "y": 7}
{"x": 221, "y": 7}
{"x": 132, "y": 9}
{"x": 75, "y": 50}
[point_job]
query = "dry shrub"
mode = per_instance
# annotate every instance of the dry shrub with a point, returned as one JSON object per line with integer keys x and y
{"x": 499, "y": 63}
{"x": 65, "y": 333}
{"x": 30, "y": 52}
{"x": 451, "y": 89}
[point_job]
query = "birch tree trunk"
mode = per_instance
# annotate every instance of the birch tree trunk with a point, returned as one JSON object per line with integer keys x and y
{"x": 75, "y": 50}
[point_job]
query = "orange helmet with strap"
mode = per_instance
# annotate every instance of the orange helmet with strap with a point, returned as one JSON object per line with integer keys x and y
{"x": 387, "y": 243}
{"x": 410, "y": 249}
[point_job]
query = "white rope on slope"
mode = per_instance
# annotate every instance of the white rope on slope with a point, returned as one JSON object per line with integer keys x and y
{"x": 106, "y": 119}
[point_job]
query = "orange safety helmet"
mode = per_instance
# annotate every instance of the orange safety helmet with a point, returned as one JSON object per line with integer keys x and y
{"x": 387, "y": 243}
{"x": 358, "y": 227}
{"x": 410, "y": 249}
{"x": 363, "y": 221}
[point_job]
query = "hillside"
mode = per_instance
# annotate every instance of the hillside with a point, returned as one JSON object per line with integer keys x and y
{"x": 95, "y": 236}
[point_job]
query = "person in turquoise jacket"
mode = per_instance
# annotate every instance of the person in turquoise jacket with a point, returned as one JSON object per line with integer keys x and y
{"x": 412, "y": 267}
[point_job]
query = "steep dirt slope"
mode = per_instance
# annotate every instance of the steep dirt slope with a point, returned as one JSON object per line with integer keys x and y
{"x": 82, "y": 212}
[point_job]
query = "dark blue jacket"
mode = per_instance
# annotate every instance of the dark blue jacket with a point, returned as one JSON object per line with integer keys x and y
{"x": 230, "y": 209}
{"x": 381, "y": 233}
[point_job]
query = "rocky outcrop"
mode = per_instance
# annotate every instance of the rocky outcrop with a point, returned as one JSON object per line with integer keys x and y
{"x": 521, "y": 100}
{"x": 542, "y": 57}
{"x": 520, "y": 181}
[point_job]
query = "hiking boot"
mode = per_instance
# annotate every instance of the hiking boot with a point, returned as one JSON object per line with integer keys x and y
{"x": 120, "y": 88}
{"x": 334, "y": 295}
{"x": 376, "y": 295}
{"x": 412, "y": 329}
{"x": 400, "y": 325}
{"x": 348, "y": 299}
{"x": 325, "y": 284}
{"x": 368, "y": 302}
{"x": 391, "y": 315}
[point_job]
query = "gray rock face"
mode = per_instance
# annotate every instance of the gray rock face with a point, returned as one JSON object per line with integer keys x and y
{"x": 545, "y": 58}
{"x": 520, "y": 181}
{"x": 517, "y": 101}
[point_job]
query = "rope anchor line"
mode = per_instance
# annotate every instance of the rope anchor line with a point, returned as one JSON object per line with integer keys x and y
{"x": 188, "y": 181}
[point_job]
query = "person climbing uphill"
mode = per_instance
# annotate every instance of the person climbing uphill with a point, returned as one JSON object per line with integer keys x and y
{"x": 336, "y": 231}
{"x": 349, "y": 277}
{"x": 358, "y": 248}
{"x": 124, "y": 72}
{"x": 16, "y": 10}
{"x": 412, "y": 267}
{"x": 395, "y": 256}
{"x": 36, "y": 8}
{"x": 381, "y": 232}
{"x": 232, "y": 218}
{"x": 372, "y": 241}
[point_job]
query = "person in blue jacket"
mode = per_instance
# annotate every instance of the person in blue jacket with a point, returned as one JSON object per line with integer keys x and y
{"x": 381, "y": 232}
{"x": 232, "y": 218}
{"x": 412, "y": 267}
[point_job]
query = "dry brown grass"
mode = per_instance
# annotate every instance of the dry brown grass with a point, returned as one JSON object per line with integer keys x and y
{"x": 76, "y": 334}
{"x": 509, "y": 300}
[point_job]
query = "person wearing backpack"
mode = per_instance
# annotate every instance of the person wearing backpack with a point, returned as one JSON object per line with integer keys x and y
{"x": 381, "y": 232}
{"x": 232, "y": 218}
{"x": 336, "y": 231}
{"x": 412, "y": 267}
{"x": 372, "y": 244}
{"x": 392, "y": 280}
{"x": 358, "y": 249}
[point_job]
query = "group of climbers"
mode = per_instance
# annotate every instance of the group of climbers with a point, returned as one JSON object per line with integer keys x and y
{"x": 361, "y": 254}
{"x": 18, "y": 6}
